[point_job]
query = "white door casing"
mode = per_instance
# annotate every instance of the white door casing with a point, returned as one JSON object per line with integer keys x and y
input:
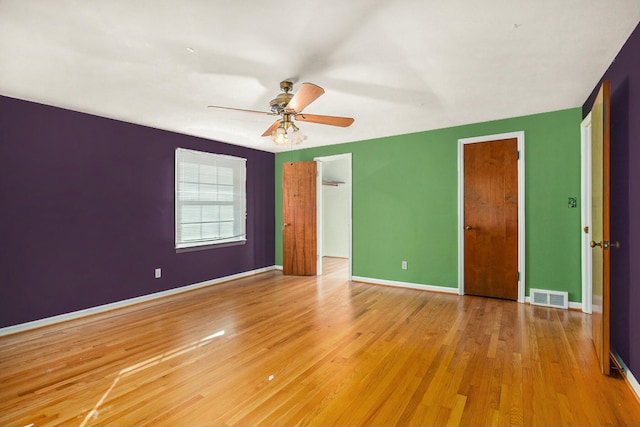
{"x": 521, "y": 211}
{"x": 585, "y": 190}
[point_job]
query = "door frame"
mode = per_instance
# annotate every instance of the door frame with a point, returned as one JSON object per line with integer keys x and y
{"x": 585, "y": 190}
{"x": 521, "y": 217}
{"x": 320, "y": 204}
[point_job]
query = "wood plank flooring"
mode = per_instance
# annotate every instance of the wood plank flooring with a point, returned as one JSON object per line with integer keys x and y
{"x": 276, "y": 350}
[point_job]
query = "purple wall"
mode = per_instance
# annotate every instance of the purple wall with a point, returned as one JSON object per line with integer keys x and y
{"x": 624, "y": 75}
{"x": 87, "y": 212}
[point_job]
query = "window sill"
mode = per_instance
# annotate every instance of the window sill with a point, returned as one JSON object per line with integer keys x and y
{"x": 206, "y": 247}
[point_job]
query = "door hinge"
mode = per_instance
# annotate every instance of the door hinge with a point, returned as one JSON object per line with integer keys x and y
{"x": 518, "y": 276}
{"x": 518, "y": 154}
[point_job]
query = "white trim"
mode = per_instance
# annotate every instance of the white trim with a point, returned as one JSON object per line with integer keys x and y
{"x": 575, "y": 305}
{"x": 521, "y": 211}
{"x": 319, "y": 218}
{"x": 632, "y": 381}
{"x": 349, "y": 157}
{"x": 585, "y": 191}
{"x": 124, "y": 303}
{"x": 405, "y": 285}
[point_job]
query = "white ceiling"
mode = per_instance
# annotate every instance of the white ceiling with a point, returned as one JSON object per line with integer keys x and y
{"x": 397, "y": 66}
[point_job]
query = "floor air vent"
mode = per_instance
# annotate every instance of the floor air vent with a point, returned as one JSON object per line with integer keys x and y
{"x": 550, "y": 298}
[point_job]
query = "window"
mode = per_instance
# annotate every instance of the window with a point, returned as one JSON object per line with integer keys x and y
{"x": 210, "y": 199}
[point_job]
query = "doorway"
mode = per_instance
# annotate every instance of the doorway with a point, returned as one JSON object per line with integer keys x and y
{"x": 334, "y": 209}
{"x": 511, "y": 144}
{"x": 585, "y": 190}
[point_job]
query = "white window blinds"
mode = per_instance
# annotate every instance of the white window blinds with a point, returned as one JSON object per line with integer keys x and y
{"x": 210, "y": 198}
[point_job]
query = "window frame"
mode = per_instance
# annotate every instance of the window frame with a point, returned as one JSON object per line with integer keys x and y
{"x": 204, "y": 199}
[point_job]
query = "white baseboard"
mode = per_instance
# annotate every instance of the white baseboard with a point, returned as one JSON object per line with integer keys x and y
{"x": 628, "y": 375}
{"x": 124, "y": 303}
{"x": 405, "y": 285}
{"x": 575, "y": 305}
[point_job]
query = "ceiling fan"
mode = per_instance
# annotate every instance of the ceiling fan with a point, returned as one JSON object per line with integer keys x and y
{"x": 289, "y": 107}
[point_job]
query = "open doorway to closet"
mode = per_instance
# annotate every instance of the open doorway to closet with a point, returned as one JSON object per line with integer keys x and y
{"x": 334, "y": 206}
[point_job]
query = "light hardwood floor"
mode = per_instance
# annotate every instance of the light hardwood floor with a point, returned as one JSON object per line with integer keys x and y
{"x": 275, "y": 350}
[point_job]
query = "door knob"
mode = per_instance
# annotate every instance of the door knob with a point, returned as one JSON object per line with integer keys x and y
{"x": 468, "y": 227}
{"x": 593, "y": 244}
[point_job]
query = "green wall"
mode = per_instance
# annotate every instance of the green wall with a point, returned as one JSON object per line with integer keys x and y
{"x": 405, "y": 201}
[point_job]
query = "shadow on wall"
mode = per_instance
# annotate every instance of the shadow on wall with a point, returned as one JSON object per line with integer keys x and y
{"x": 620, "y": 231}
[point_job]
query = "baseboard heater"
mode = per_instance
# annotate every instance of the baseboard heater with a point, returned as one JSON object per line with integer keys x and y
{"x": 547, "y": 298}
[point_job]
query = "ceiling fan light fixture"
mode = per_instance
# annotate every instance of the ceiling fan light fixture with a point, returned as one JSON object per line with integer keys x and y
{"x": 297, "y": 135}
{"x": 287, "y": 133}
{"x": 279, "y": 136}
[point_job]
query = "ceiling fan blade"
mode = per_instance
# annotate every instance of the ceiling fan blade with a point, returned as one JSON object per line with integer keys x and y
{"x": 325, "y": 120}
{"x": 271, "y": 128}
{"x": 307, "y": 93}
{"x": 267, "y": 113}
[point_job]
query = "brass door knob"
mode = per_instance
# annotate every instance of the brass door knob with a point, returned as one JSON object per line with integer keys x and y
{"x": 468, "y": 227}
{"x": 593, "y": 244}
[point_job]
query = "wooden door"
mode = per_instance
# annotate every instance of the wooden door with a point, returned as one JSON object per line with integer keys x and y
{"x": 299, "y": 247}
{"x": 600, "y": 232}
{"x": 491, "y": 218}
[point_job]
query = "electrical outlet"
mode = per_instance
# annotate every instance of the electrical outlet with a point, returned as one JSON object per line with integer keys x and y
{"x": 158, "y": 273}
{"x": 404, "y": 265}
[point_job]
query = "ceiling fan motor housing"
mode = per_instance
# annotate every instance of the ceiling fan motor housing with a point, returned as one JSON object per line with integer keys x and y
{"x": 279, "y": 103}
